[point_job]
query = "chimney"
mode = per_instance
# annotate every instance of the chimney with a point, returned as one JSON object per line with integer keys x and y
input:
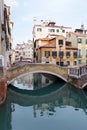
{"x": 82, "y": 26}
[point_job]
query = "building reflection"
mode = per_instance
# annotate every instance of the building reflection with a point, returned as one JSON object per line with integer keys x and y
{"x": 32, "y": 81}
{"x": 43, "y": 105}
{"x": 67, "y": 97}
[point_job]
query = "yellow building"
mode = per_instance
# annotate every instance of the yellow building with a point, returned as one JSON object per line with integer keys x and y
{"x": 55, "y": 50}
{"x": 79, "y": 40}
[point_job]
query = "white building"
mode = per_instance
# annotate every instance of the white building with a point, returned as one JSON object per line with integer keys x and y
{"x": 48, "y": 28}
{"x": 24, "y": 51}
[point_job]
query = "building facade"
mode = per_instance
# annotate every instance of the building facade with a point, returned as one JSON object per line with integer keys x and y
{"x": 24, "y": 51}
{"x": 51, "y": 44}
{"x": 55, "y": 50}
{"x": 2, "y": 35}
{"x": 48, "y": 28}
{"x": 79, "y": 40}
{"x": 63, "y": 47}
{"x": 8, "y": 34}
{"x": 5, "y": 35}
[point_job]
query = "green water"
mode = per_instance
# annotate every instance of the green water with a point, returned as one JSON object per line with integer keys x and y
{"x": 56, "y": 107}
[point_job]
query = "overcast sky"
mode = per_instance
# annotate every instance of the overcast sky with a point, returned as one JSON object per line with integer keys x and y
{"x": 71, "y": 13}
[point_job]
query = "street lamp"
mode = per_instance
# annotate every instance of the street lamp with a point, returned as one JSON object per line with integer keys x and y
{"x": 60, "y": 54}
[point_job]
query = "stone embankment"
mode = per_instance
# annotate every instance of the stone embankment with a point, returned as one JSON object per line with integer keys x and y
{"x": 3, "y": 87}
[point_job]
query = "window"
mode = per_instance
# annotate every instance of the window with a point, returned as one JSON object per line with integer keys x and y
{"x": 67, "y": 53}
{"x": 0, "y": 61}
{"x": 68, "y": 43}
{"x": 86, "y": 41}
{"x": 39, "y": 29}
{"x": 57, "y": 30}
{"x": 34, "y": 54}
{"x": 60, "y": 42}
{"x": 86, "y": 52}
{"x": 79, "y": 40}
{"x": 47, "y": 53}
{"x": 79, "y": 52}
{"x": 75, "y": 63}
{"x": 79, "y": 61}
{"x": 63, "y": 31}
{"x": 51, "y": 30}
{"x": 35, "y": 45}
{"x": 54, "y": 53}
{"x": 61, "y": 53}
{"x": 75, "y": 54}
{"x": 68, "y": 62}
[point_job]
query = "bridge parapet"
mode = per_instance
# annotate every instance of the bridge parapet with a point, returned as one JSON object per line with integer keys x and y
{"x": 78, "y": 72}
{"x": 78, "y": 76}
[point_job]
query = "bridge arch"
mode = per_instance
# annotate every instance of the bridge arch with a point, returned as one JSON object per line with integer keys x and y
{"x": 47, "y": 72}
{"x": 84, "y": 86}
{"x": 52, "y": 69}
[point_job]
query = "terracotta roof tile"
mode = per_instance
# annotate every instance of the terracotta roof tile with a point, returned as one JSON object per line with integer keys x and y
{"x": 49, "y": 46}
{"x": 78, "y": 34}
{"x": 72, "y": 48}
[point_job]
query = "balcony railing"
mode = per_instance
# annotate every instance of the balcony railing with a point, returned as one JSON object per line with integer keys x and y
{"x": 78, "y": 71}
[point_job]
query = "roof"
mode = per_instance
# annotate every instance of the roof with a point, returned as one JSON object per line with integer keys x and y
{"x": 44, "y": 39}
{"x": 71, "y": 48}
{"x": 48, "y": 46}
{"x": 55, "y": 26}
{"x": 56, "y": 35}
{"x": 78, "y": 34}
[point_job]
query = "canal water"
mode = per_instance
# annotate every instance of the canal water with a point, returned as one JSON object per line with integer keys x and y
{"x": 35, "y": 102}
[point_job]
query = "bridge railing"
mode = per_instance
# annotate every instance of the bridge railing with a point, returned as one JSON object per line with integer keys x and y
{"x": 77, "y": 72}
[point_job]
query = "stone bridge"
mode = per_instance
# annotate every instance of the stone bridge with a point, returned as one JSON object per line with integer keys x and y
{"x": 77, "y": 75}
{"x": 22, "y": 69}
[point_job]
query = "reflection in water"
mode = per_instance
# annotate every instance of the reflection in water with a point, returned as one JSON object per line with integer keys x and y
{"x": 57, "y": 106}
{"x": 32, "y": 81}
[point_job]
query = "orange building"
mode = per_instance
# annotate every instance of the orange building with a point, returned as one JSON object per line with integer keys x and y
{"x": 55, "y": 50}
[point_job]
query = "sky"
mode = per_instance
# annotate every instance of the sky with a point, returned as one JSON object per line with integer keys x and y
{"x": 69, "y": 13}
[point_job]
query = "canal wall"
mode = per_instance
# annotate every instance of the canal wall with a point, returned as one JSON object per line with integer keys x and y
{"x": 3, "y": 86}
{"x": 79, "y": 82}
